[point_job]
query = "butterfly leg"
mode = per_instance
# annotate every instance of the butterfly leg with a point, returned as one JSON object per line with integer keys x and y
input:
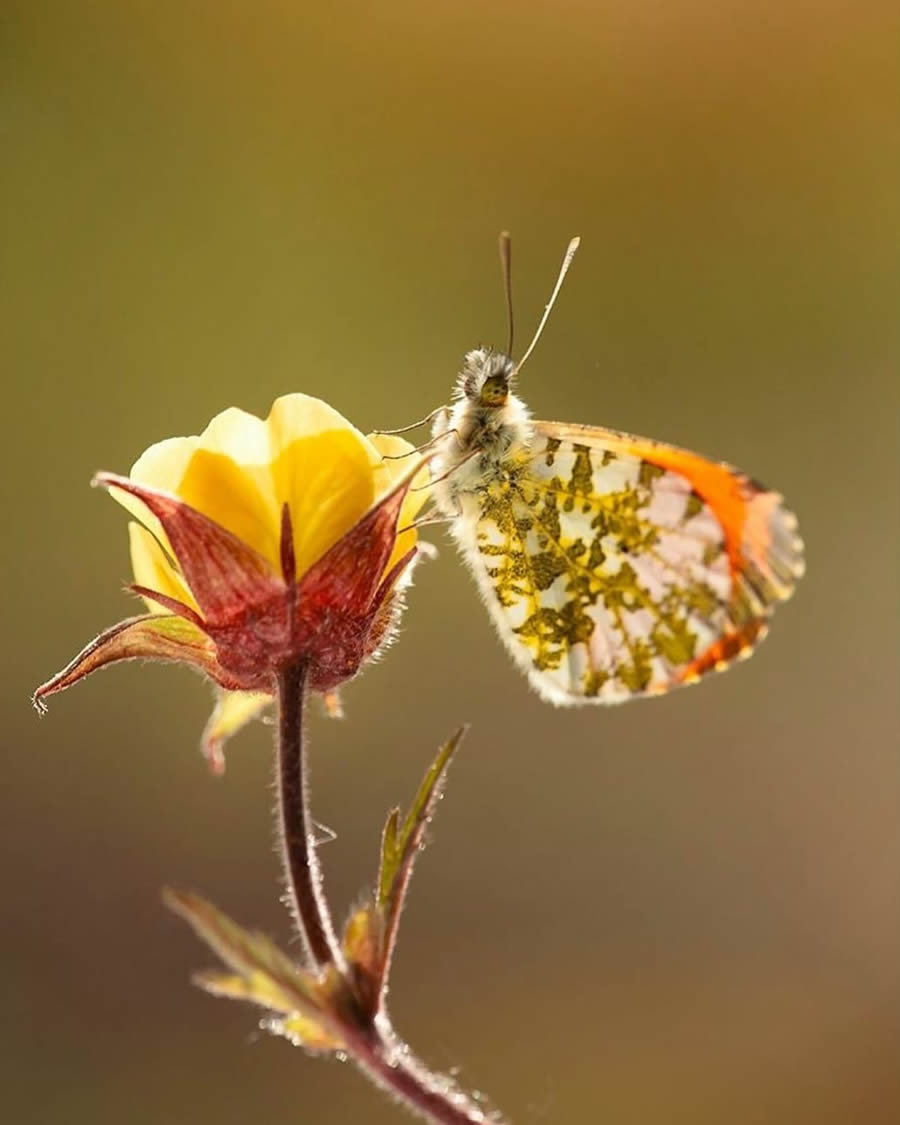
{"x": 420, "y": 448}
{"x": 415, "y": 425}
{"x": 427, "y": 521}
{"x": 437, "y": 480}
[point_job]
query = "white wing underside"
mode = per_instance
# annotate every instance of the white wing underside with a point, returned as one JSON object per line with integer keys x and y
{"x": 609, "y": 576}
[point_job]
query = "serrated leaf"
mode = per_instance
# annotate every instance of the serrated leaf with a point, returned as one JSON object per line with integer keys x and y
{"x": 389, "y": 855}
{"x": 262, "y": 974}
{"x": 400, "y": 844}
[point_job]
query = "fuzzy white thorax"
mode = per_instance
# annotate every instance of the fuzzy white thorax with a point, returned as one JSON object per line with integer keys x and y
{"x": 476, "y": 441}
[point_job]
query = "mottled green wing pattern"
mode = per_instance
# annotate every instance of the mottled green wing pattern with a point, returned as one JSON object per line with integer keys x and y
{"x": 615, "y": 567}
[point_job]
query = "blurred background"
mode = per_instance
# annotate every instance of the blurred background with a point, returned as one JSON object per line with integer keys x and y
{"x": 684, "y": 910}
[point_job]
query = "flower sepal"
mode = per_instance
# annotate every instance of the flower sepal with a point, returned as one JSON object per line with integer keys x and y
{"x": 149, "y": 637}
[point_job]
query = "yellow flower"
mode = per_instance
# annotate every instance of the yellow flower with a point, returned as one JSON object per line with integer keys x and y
{"x": 242, "y": 470}
{"x": 263, "y": 541}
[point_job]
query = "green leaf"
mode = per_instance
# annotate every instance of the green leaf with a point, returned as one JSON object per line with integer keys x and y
{"x": 390, "y": 856}
{"x": 400, "y": 844}
{"x": 261, "y": 973}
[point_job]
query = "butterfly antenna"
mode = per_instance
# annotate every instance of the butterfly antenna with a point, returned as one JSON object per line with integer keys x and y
{"x": 506, "y": 270}
{"x": 564, "y": 269}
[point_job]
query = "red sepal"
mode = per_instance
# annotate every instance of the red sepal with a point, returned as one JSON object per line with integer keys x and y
{"x": 224, "y": 574}
{"x": 151, "y": 637}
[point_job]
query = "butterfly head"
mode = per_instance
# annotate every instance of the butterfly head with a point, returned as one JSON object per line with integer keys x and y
{"x": 486, "y": 378}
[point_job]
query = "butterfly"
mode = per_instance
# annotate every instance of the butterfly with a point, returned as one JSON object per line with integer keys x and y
{"x": 613, "y": 566}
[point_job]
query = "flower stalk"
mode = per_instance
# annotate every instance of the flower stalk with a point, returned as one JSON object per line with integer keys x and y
{"x": 356, "y": 1003}
{"x": 299, "y": 856}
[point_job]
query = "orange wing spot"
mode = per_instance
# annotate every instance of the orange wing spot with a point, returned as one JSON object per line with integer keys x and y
{"x": 728, "y": 493}
{"x": 724, "y": 651}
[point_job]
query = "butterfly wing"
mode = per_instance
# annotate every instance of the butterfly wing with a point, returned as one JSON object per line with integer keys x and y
{"x": 615, "y": 566}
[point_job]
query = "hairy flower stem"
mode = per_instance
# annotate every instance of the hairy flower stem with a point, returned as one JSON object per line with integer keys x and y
{"x": 431, "y": 1097}
{"x": 368, "y": 1038}
{"x": 301, "y": 862}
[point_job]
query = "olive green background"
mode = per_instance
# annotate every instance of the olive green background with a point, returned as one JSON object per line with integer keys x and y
{"x": 684, "y": 910}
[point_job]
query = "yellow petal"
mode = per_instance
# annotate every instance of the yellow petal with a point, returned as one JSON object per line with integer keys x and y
{"x": 298, "y": 415}
{"x": 225, "y": 478}
{"x": 241, "y": 436}
{"x": 323, "y": 468}
{"x": 231, "y": 496}
{"x": 327, "y": 481}
{"x": 399, "y": 457}
{"x": 395, "y": 458}
{"x": 161, "y": 466}
{"x": 233, "y": 710}
{"x": 152, "y": 568}
{"x": 203, "y": 471}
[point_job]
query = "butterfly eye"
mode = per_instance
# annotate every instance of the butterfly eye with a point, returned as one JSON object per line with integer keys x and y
{"x": 495, "y": 391}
